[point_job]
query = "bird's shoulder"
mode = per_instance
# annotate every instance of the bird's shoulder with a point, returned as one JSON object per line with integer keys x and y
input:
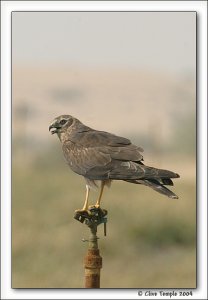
{"x": 89, "y": 137}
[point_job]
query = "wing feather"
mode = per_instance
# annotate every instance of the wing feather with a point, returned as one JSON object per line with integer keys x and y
{"x": 95, "y": 154}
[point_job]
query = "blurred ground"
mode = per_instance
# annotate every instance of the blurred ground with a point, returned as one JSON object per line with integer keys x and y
{"x": 150, "y": 239}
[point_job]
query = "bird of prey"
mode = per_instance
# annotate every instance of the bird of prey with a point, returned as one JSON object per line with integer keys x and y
{"x": 102, "y": 156}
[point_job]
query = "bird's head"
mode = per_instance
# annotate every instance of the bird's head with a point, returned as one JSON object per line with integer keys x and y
{"x": 61, "y": 124}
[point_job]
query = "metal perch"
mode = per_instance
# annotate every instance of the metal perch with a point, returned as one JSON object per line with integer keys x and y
{"x": 92, "y": 261}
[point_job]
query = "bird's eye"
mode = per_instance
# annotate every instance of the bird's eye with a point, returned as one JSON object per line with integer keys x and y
{"x": 62, "y": 122}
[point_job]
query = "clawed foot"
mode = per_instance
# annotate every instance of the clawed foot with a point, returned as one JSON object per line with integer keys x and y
{"x": 84, "y": 212}
{"x": 87, "y": 211}
{"x": 93, "y": 215}
{"x": 96, "y": 209}
{"x": 97, "y": 206}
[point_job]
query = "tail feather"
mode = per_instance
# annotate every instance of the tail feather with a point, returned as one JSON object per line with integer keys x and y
{"x": 167, "y": 181}
{"x": 137, "y": 172}
{"x": 160, "y": 188}
{"x": 162, "y": 181}
{"x": 157, "y": 186}
{"x": 150, "y": 172}
{"x": 157, "y": 178}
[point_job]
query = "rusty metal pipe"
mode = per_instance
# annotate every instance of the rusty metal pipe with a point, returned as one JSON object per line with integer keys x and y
{"x": 92, "y": 261}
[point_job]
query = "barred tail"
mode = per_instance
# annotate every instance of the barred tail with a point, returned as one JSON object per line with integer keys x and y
{"x": 157, "y": 179}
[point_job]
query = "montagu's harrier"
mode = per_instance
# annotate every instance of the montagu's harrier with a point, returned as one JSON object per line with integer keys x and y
{"x": 99, "y": 155}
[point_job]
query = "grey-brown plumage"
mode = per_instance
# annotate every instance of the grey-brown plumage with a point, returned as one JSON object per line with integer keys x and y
{"x": 99, "y": 155}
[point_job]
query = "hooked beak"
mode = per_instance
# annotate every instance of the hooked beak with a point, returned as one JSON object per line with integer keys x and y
{"x": 53, "y": 128}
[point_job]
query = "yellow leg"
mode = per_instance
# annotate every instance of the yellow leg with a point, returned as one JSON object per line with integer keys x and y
{"x": 97, "y": 204}
{"x": 85, "y": 207}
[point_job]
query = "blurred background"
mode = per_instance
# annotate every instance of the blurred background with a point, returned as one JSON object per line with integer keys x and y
{"x": 129, "y": 73}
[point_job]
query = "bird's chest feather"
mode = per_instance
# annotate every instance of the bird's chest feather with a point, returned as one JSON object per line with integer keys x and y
{"x": 74, "y": 155}
{"x": 81, "y": 159}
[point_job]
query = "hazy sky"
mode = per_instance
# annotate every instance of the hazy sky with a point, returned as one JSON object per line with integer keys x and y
{"x": 163, "y": 41}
